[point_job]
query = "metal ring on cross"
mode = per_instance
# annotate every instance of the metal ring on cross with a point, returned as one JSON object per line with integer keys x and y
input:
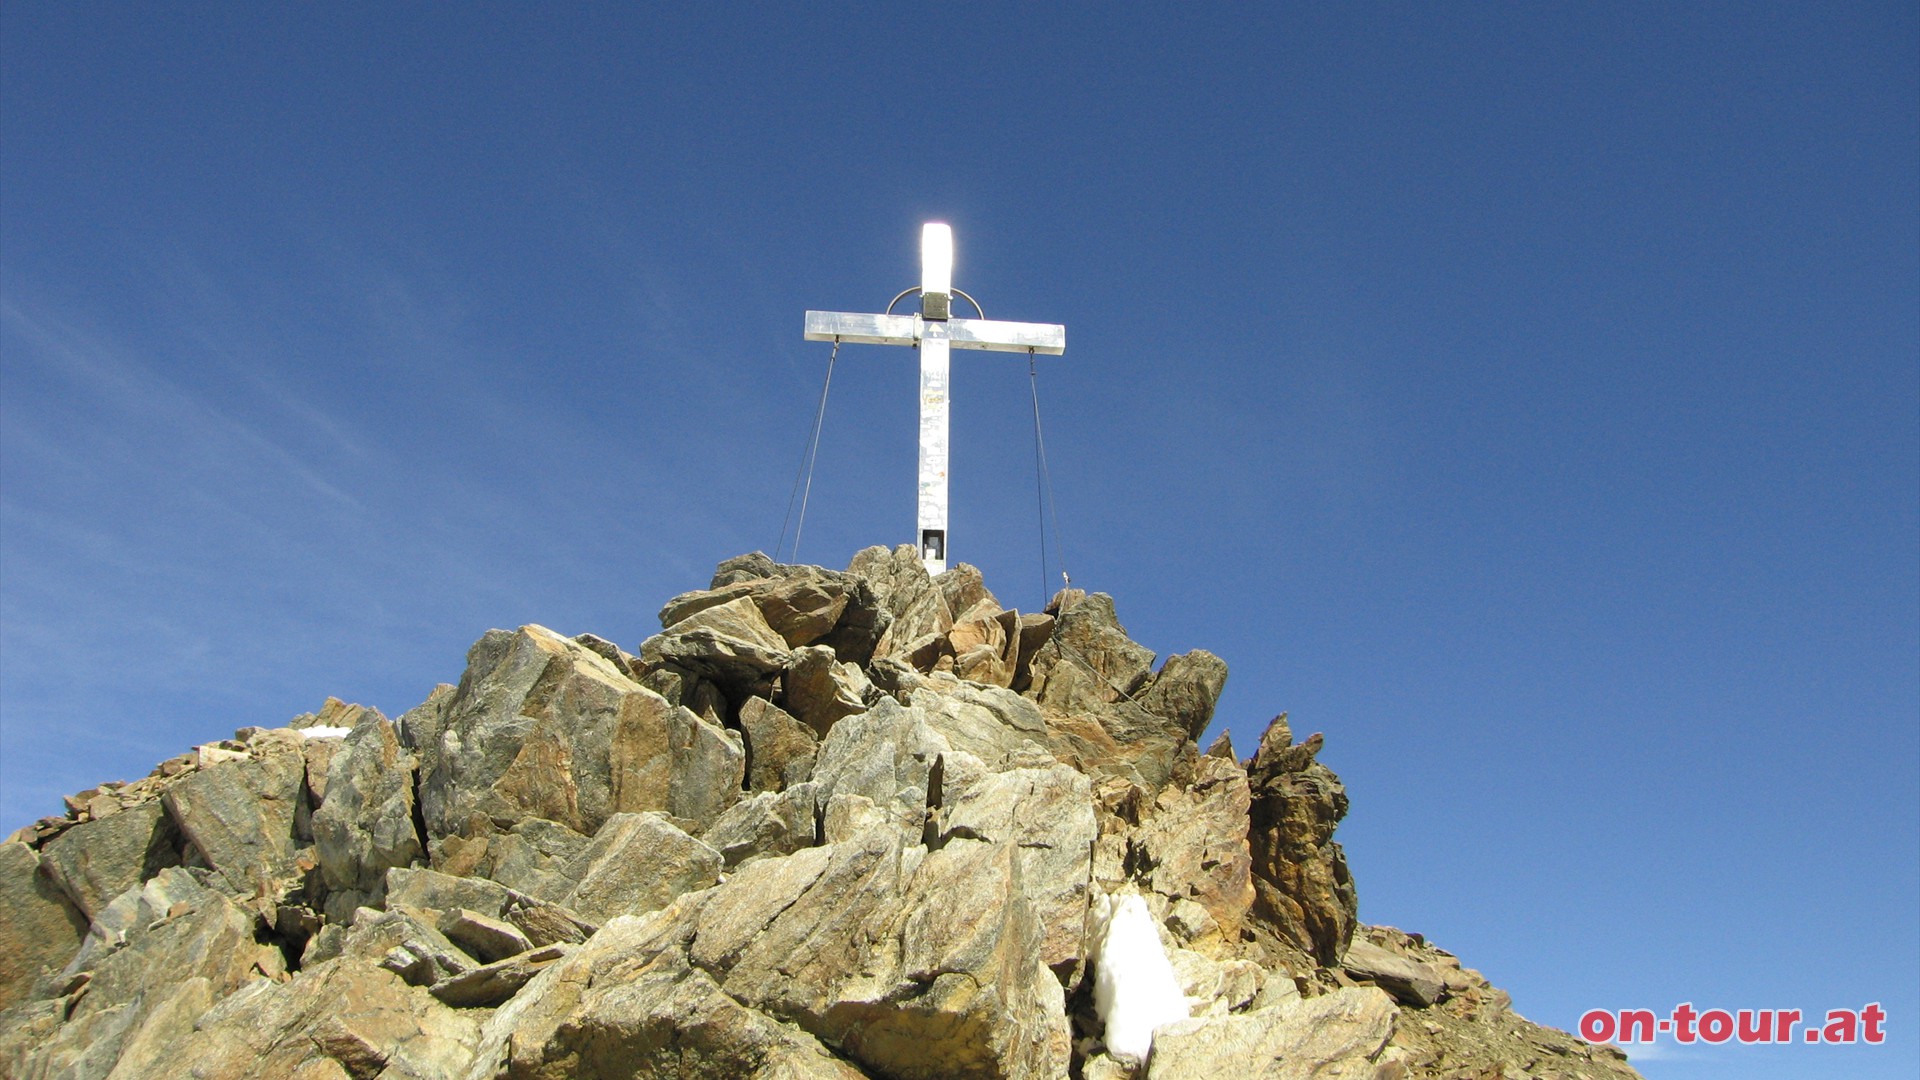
{"x": 961, "y": 293}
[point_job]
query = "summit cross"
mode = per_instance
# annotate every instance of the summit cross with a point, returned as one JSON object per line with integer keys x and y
{"x": 933, "y": 331}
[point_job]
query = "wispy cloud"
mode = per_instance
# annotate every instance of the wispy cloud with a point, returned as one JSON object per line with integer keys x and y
{"x": 95, "y": 366}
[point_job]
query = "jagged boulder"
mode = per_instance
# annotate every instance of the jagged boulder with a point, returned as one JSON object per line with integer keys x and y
{"x": 820, "y": 690}
{"x": 1302, "y": 885}
{"x": 1191, "y": 848}
{"x": 173, "y": 937}
{"x": 544, "y": 727}
{"x": 621, "y": 1008}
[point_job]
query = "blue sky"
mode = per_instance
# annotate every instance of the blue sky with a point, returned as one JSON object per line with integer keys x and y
{"x": 1526, "y": 396}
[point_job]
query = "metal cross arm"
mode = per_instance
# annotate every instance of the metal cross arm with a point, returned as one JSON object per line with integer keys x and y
{"x": 993, "y": 335}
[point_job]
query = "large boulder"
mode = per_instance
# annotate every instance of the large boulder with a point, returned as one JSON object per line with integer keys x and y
{"x": 629, "y": 1004}
{"x": 240, "y": 814}
{"x": 41, "y": 928}
{"x": 1185, "y": 690}
{"x": 729, "y": 643}
{"x": 365, "y": 825}
{"x": 780, "y": 750}
{"x": 1338, "y": 1036}
{"x": 635, "y": 864}
{"x": 533, "y": 857}
{"x": 913, "y": 963}
{"x": 97, "y": 860}
{"x": 1046, "y": 814}
{"x": 169, "y": 942}
{"x": 819, "y": 689}
{"x": 544, "y": 727}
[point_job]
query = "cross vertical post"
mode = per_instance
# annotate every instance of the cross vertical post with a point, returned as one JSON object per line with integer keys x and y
{"x": 935, "y": 332}
{"x": 936, "y": 304}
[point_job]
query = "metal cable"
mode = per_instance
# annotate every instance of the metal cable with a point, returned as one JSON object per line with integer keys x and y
{"x": 807, "y": 459}
{"x": 1044, "y": 482}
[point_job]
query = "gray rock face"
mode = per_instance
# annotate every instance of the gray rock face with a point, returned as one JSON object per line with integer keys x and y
{"x": 41, "y": 928}
{"x": 1045, "y": 815}
{"x": 826, "y": 825}
{"x": 365, "y": 826}
{"x": 95, "y": 861}
{"x": 239, "y": 815}
{"x": 624, "y": 1005}
{"x": 767, "y": 823}
{"x": 197, "y": 947}
{"x": 533, "y": 857}
{"x": 345, "y": 1018}
{"x": 913, "y": 963}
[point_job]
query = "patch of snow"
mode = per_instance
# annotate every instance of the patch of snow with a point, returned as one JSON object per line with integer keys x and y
{"x": 1134, "y": 987}
{"x": 323, "y": 732}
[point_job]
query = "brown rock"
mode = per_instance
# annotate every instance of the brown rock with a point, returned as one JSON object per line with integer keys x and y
{"x": 820, "y": 691}
{"x": 1185, "y": 690}
{"x": 1302, "y": 886}
{"x": 729, "y": 643}
{"x": 803, "y": 609}
{"x": 1193, "y": 846}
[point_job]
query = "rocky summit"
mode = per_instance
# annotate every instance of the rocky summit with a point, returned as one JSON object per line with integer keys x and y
{"x": 824, "y": 825}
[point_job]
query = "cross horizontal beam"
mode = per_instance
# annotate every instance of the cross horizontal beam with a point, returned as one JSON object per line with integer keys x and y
{"x": 993, "y": 335}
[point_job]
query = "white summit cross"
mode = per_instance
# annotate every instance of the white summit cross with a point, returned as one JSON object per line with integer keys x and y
{"x": 933, "y": 332}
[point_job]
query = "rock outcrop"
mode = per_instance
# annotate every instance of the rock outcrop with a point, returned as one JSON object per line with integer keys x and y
{"x": 825, "y": 824}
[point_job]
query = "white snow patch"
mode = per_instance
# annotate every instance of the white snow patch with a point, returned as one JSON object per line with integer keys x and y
{"x": 323, "y": 732}
{"x": 1134, "y": 987}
